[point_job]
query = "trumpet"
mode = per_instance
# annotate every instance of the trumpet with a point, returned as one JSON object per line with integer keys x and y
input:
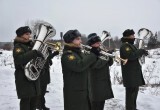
{"x": 56, "y": 46}
{"x": 104, "y": 54}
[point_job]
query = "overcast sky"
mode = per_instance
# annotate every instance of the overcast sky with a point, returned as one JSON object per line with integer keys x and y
{"x": 85, "y": 15}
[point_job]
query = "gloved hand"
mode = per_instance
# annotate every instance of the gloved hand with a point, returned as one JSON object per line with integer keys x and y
{"x": 95, "y": 50}
{"x": 110, "y": 51}
{"x": 145, "y": 52}
{"x": 50, "y": 62}
{"x": 55, "y": 53}
{"x": 39, "y": 54}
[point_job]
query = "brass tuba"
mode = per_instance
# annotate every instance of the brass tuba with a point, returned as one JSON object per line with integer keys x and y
{"x": 44, "y": 31}
{"x": 143, "y": 37}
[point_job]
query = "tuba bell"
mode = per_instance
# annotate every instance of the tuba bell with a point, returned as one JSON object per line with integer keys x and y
{"x": 143, "y": 37}
{"x": 44, "y": 31}
{"x": 105, "y": 36}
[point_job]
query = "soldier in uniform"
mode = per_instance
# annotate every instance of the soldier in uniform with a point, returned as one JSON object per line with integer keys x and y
{"x": 99, "y": 76}
{"x": 131, "y": 71}
{"x": 45, "y": 79}
{"x": 27, "y": 91}
{"x": 75, "y": 68}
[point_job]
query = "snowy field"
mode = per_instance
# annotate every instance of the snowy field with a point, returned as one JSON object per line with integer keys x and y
{"x": 148, "y": 97}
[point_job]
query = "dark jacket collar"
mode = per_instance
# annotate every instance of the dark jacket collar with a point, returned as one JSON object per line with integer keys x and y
{"x": 72, "y": 48}
{"x": 19, "y": 40}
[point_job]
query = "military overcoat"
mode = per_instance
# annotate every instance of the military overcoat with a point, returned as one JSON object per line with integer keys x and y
{"x": 75, "y": 68}
{"x": 22, "y": 54}
{"x": 132, "y": 70}
{"x": 100, "y": 82}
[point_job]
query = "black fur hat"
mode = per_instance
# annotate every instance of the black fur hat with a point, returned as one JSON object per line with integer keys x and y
{"x": 128, "y": 32}
{"x": 93, "y": 38}
{"x": 22, "y": 30}
{"x": 70, "y": 35}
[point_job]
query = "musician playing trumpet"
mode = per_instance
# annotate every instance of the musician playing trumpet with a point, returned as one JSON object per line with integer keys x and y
{"x": 131, "y": 71}
{"x": 75, "y": 68}
{"x": 99, "y": 76}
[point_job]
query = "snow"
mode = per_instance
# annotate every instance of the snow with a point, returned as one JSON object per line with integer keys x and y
{"x": 148, "y": 97}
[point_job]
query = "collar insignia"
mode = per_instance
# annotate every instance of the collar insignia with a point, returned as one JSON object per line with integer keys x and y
{"x": 69, "y": 51}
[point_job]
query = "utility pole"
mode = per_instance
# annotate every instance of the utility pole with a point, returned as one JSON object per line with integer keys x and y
{"x": 61, "y": 35}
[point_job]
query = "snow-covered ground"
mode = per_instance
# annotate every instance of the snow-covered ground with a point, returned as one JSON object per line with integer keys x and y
{"x": 148, "y": 97}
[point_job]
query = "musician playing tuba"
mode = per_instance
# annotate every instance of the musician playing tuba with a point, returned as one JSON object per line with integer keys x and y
{"x": 27, "y": 91}
{"x": 131, "y": 71}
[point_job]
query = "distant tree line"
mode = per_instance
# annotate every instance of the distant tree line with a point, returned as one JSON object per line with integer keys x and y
{"x": 6, "y": 45}
{"x": 113, "y": 43}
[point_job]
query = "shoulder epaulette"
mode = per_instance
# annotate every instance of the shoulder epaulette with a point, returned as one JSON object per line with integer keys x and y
{"x": 21, "y": 45}
{"x": 69, "y": 51}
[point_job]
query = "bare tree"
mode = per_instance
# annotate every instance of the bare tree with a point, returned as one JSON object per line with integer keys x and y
{"x": 152, "y": 42}
{"x": 117, "y": 42}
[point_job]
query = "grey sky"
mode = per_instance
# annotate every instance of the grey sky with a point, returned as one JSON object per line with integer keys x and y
{"x": 85, "y": 15}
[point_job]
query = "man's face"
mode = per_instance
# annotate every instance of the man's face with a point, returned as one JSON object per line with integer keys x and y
{"x": 97, "y": 44}
{"x": 131, "y": 37}
{"x": 26, "y": 36}
{"x": 77, "y": 41}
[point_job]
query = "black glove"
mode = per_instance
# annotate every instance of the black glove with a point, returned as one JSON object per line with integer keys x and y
{"x": 55, "y": 53}
{"x": 95, "y": 50}
{"x": 145, "y": 52}
{"x": 110, "y": 51}
{"x": 110, "y": 61}
{"x": 39, "y": 54}
{"x": 50, "y": 62}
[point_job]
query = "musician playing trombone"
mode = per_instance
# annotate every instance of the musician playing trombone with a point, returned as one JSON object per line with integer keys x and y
{"x": 131, "y": 71}
{"x": 75, "y": 69}
{"x": 99, "y": 76}
{"x": 27, "y": 91}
